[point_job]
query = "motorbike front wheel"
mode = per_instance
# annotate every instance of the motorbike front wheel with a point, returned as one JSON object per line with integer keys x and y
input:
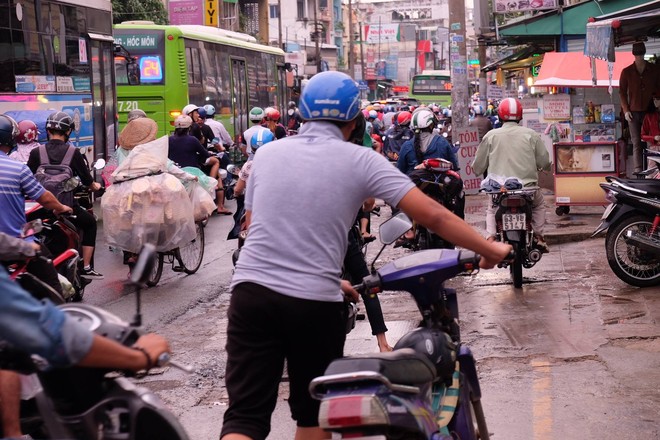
{"x": 516, "y": 267}
{"x": 633, "y": 265}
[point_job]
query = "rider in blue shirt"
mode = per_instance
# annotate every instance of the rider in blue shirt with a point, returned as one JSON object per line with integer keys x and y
{"x": 425, "y": 145}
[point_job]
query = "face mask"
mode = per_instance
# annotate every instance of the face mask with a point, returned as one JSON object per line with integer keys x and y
{"x": 290, "y": 112}
{"x": 656, "y": 103}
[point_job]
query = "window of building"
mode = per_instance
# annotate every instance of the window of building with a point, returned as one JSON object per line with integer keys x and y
{"x": 274, "y": 11}
{"x": 301, "y": 9}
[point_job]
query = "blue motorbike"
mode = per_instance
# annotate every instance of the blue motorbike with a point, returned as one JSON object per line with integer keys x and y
{"x": 427, "y": 388}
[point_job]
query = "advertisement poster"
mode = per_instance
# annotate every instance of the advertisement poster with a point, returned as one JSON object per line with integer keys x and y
{"x": 469, "y": 141}
{"x": 585, "y": 158}
{"x": 384, "y": 33}
{"x": 502, "y": 6}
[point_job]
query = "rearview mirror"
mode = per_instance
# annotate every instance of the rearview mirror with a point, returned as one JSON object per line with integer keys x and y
{"x": 394, "y": 228}
{"x": 133, "y": 72}
{"x": 99, "y": 164}
{"x": 32, "y": 228}
{"x": 144, "y": 264}
{"x": 71, "y": 184}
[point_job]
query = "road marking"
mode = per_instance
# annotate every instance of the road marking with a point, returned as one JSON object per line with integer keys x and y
{"x": 542, "y": 400}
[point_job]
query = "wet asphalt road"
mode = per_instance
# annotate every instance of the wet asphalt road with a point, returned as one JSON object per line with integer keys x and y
{"x": 574, "y": 354}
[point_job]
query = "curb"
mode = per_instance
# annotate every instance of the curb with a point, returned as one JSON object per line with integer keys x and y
{"x": 569, "y": 237}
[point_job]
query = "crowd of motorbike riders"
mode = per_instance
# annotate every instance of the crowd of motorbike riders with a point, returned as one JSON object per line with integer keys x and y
{"x": 416, "y": 140}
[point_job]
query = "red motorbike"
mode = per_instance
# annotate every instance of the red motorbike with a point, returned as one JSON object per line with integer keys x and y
{"x": 62, "y": 239}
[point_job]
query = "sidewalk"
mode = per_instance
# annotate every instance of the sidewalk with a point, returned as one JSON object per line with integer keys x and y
{"x": 578, "y": 225}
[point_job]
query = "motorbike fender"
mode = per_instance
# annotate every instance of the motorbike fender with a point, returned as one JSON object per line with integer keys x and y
{"x": 619, "y": 211}
{"x": 514, "y": 236}
{"x": 469, "y": 369}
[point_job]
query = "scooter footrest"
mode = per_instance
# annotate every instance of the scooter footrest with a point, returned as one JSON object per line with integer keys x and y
{"x": 404, "y": 367}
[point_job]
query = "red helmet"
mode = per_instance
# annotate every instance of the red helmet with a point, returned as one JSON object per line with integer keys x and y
{"x": 510, "y": 109}
{"x": 404, "y": 118}
{"x": 28, "y": 132}
{"x": 273, "y": 114}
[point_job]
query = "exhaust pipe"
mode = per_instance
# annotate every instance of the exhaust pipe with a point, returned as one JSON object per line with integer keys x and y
{"x": 642, "y": 241}
{"x": 534, "y": 255}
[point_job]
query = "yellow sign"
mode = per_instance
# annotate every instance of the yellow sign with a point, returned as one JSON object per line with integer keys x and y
{"x": 211, "y": 13}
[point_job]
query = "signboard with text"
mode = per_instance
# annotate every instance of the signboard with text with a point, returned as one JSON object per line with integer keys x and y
{"x": 469, "y": 141}
{"x": 211, "y": 13}
{"x": 186, "y": 12}
{"x": 557, "y": 107}
{"x": 383, "y": 33}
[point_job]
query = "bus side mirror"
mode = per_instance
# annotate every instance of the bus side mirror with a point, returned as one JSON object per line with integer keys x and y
{"x": 133, "y": 72}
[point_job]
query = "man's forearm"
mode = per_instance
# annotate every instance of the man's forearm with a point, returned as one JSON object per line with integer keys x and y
{"x": 49, "y": 201}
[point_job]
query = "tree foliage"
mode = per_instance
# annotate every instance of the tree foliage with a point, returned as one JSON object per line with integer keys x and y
{"x": 153, "y": 10}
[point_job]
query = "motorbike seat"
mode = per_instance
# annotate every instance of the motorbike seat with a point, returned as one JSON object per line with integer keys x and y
{"x": 403, "y": 367}
{"x": 651, "y": 186}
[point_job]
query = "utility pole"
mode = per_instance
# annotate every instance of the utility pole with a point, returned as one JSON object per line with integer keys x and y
{"x": 458, "y": 65}
{"x": 351, "y": 41}
{"x": 279, "y": 23}
{"x": 364, "y": 72}
{"x": 317, "y": 39}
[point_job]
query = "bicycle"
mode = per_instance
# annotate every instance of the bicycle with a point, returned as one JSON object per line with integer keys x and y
{"x": 186, "y": 258}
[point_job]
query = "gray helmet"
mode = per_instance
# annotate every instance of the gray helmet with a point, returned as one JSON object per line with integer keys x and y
{"x": 60, "y": 121}
{"x": 136, "y": 114}
{"x": 8, "y": 131}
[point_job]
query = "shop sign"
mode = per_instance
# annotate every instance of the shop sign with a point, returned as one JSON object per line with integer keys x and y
{"x": 557, "y": 107}
{"x": 495, "y": 92}
{"x": 186, "y": 12}
{"x": 469, "y": 141}
{"x": 507, "y": 6}
{"x": 383, "y": 33}
{"x": 211, "y": 13}
{"x": 530, "y": 103}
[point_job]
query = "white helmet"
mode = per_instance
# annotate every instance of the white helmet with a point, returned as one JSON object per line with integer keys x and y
{"x": 182, "y": 121}
{"x": 422, "y": 118}
{"x": 189, "y": 109}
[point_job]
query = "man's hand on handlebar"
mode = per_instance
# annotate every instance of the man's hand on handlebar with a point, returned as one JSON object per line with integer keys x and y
{"x": 349, "y": 292}
{"x": 62, "y": 209}
{"x": 498, "y": 252}
{"x": 95, "y": 186}
{"x": 154, "y": 345}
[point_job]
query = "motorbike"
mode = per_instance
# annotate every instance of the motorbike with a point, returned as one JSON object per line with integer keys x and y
{"x": 439, "y": 181}
{"x": 62, "y": 239}
{"x": 632, "y": 222}
{"x": 513, "y": 218}
{"x": 427, "y": 388}
{"x": 97, "y": 403}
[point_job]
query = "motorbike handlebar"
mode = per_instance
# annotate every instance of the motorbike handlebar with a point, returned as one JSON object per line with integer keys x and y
{"x": 166, "y": 359}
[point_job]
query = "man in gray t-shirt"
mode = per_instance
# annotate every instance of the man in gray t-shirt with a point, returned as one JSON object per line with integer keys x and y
{"x": 287, "y": 301}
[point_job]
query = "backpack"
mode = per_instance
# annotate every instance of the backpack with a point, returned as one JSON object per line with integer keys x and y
{"x": 53, "y": 177}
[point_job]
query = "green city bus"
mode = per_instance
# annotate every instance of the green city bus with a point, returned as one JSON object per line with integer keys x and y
{"x": 432, "y": 87}
{"x": 199, "y": 65}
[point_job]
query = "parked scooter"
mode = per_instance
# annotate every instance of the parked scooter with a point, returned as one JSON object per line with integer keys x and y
{"x": 632, "y": 221}
{"x": 427, "y": 388}
{"x": 90, "y": 403}
{"x": 513, "y": 218}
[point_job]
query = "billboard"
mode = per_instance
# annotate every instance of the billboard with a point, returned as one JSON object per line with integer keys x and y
{"x": 502, "y": 6}
{"x": 383, "y": 33}
{"x": 186, "y": 12}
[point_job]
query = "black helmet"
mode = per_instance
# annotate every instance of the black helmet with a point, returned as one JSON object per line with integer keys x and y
{"x": 8, "y": 131}
{"x": 436, "y": 345}
{"x": 60, "y": 121}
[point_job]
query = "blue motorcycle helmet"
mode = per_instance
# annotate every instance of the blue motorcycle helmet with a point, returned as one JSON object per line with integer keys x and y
{"x": 330, "y": 96}
{"x": 261, "y": 138}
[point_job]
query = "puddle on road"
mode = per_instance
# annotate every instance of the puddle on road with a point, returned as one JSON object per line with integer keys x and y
{"x": 618, "y": 309}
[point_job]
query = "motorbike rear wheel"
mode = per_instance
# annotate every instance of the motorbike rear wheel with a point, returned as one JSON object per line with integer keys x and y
{"x": 633, "y": 265}
{"x": 516, "y": 267}
{"x": 157, "y": 272}
{"x": 190, "y": 256}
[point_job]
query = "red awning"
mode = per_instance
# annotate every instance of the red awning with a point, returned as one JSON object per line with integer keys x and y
{"x": 573, "y": 69}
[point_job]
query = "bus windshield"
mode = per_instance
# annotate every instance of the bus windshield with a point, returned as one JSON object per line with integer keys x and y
{"x": 147, "y": 46}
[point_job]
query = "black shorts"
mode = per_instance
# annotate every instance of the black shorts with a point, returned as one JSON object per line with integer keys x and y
{"x": 264, "y": 329}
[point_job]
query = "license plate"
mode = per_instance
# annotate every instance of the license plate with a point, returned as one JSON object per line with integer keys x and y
{"x": 608, "y": 211}
{"x": 513, "y": 222}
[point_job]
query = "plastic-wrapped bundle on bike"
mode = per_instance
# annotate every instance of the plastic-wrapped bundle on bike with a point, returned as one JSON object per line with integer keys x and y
{"x": 150, "y": 209}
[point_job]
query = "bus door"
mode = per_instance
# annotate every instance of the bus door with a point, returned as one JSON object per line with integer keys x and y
{"x": 240, "y": 95}
{"x": 104, "y": 108}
